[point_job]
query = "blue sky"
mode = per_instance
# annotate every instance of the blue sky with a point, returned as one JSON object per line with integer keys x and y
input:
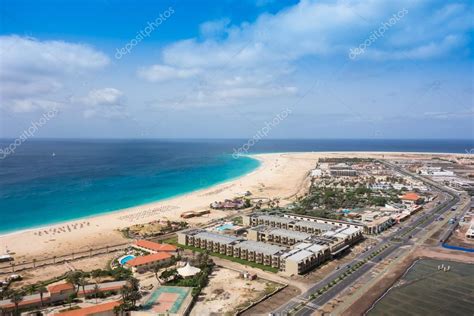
{"x": 223, "y": 69}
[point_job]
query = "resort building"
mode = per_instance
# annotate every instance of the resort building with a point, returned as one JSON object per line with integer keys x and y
{"x": 153, "y": 247}
{"x": 470, "y": 231}
{"x": 331, "y": 222}
{"x": 291, "y": 251}
{"x": 258, "y": 252}
{"x": 249, "y": 250}
{"x": 60, "y": 292}
{"x": 376, "y": 222}
{"x": 342, "y": 170}
{"x": 145, "y": 263}
{"x": 57, "y": 293}
{"x": 306, "y": 226}
{"x": 106, "y": 309}
{"x": 411, "y": 199}
{"x": 276, "y": 235}
{"x": 102, "y": 287}
{"x": 303, "y": 258}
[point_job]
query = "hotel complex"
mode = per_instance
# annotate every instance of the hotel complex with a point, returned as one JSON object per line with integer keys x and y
{"x": 291, "y": 246}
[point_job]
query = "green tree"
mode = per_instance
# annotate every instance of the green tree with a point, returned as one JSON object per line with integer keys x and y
{"x": 96, "y": 292}
{"x": 16, "y": 298}
{"x": 75, "y": 279}
{"x": 42, "y": 289}
{"x": 71, "y": 297}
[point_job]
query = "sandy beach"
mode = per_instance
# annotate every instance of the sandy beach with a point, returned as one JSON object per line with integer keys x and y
{"x": 281, "y": 175}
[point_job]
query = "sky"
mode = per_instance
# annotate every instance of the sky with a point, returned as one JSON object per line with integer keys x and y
{"x": 235, "y": 68}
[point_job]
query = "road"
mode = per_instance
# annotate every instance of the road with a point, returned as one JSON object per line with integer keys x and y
{"x": 392, "y": 242}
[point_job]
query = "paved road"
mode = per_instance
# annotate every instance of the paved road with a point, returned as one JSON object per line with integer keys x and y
{"x": 394, "y": 241}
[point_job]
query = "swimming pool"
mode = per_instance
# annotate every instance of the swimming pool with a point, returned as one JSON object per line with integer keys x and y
{"x": 167, "y": 299}
{"x": 225, "y": 226}
{"x": 125, "y": 259}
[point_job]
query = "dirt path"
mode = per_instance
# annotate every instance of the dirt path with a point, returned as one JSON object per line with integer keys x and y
{"x": 270, "y": 304}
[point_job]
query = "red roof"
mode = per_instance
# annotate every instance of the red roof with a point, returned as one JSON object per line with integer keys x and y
{"x": 410, "y": 196}
{"x": 26, "y": 302}
{"x": 159, "y": 256}
{"x": 92, "y": 310}
{"x": 58, "y": 288}
{"x": 155, "y": 246}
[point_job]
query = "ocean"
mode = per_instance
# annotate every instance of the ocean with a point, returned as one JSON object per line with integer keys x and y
{"x": 49, "y": 181}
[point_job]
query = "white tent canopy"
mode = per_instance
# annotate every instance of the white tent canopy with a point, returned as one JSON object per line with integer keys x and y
{"x": 188, "y": 270}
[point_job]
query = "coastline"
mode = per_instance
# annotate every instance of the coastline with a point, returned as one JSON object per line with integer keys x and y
{"x": 114, "y": 211}
{"x": 279, "y": 175}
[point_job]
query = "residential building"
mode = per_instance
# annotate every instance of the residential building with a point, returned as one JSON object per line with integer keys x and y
{"x": 276, "y": 235}
{"x": 153, "y": 247}
{"x": 105, "y": 309}
{"x": 411, "y": 199}
{"x": 470, "y": 230}
{"x": 146, "y": 263}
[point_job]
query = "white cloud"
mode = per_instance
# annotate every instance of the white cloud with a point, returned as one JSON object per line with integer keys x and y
{"x": 106, "y": 102}
{"x": 426, "y": 51}
{"x": 467, "y": 113}
{"x": 214, "y": 28}
{"x": 29, "y": 105}
{"x": 106, "y": 96}
{"x": 272, "y": 45}
{"x": 162, "y": 73}
{"x": 32, "y": 71}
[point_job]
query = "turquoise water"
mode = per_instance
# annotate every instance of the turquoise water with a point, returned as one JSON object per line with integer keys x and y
{"x": 182, "y": 293}
{"x": 86, "y": 178}
{"x": 225, "y": 227}
{"x": 126, "y": 259}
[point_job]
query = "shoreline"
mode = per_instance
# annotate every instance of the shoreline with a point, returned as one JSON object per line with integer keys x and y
{"x": 252, "y": 156}
{"x": 279, "y": 175}
{"x": 115, "y": 211}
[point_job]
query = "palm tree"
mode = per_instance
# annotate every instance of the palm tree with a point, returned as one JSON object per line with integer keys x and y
{"x": 16, "y": 299}
{"x": 41, "y": 289}
{"x": 125, "y": 292}
{"x": 97, "y": 275}
{"x": 31, "y": 289}
{"x": 156, "y": 269}
{"x": 70, "y": 299}
{"x": 74, "y": 279}
{"x": 134, "y": 294}
{"x": 82, "y": 282}
{"x": 96, "y": 291}
{"x": 118, "y": 310}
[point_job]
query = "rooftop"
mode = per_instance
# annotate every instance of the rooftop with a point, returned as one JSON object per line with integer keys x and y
{"x": 274, "y": 218}
{"x": 92, "y": 310}
{"x": 289, "y": 233}
{"x": 159, "y": 256}
{"x": 315, "y": 225}
{"x": 154, "y": 246}
{"x": 58, "y": 288}
{"x": 411, "y": 196}
{"x": 222, "y": 239}
{"x": 260, "y": 247}
{"x": 299, "y": 255}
